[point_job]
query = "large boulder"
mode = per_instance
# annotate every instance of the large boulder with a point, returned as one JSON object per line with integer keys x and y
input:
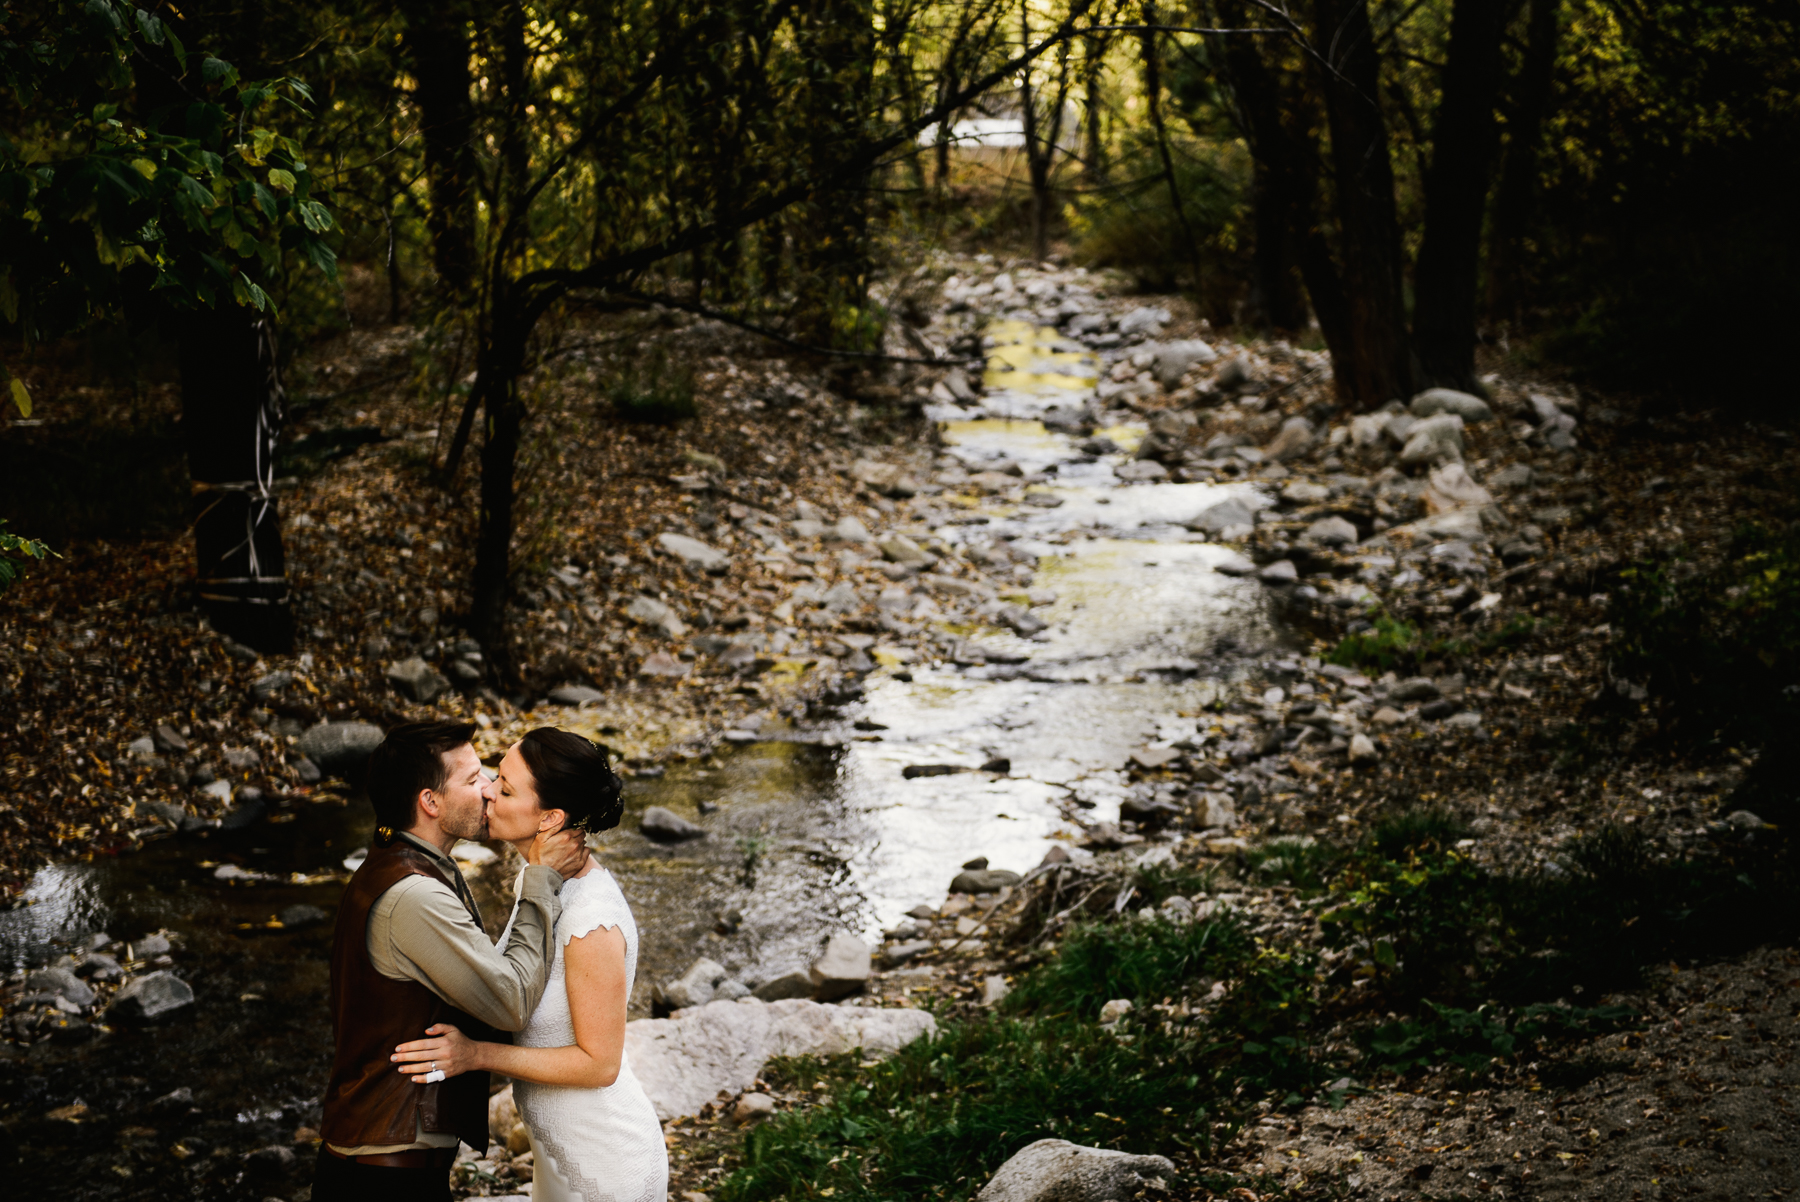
{"x": 1434, "y": 401}
{"x": 685, "y": 1061}
{"x": 340, "y": 748}
{"x": 1055, "y": 1170}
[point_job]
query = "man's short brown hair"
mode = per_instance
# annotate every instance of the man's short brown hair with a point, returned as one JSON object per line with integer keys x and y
{"x": 410, "y": 760}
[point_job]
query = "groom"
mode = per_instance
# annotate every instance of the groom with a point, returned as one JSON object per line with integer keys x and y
{"x": 410, "y": 951}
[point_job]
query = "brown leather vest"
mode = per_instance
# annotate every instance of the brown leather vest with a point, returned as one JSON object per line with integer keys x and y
{"x": 369, "y": 1103}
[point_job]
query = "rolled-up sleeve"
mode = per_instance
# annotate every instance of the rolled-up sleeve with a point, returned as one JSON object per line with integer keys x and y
{"x": 420, "y": 930}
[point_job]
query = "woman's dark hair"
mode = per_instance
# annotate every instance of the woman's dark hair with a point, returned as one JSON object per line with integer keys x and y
{"x": 410, "y": 760}
{"x": 572, "y": 775}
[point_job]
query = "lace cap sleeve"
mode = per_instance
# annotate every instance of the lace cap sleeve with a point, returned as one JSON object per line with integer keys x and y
{"x": 598, "y": 904}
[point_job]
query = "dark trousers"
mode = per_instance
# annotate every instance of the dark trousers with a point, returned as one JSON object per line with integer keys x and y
{"x": 339, "y": 1180}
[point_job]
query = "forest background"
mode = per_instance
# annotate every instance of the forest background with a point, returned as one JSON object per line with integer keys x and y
{"x": 1599, "y": 186}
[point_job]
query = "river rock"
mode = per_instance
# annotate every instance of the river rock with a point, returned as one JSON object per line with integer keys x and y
{"x": 1055, "y": 1170}
{"x": 1414, "y": 688}
{"x": 851, "y": 530}
{"x": 1305, "y": 492}
{"x": 661, "y": 663}
{"x": 340, "y": 748}
{"x": 752, "y": 1107}
{"x": 1214, "y": 809}
{"x": 1451, "y": 487}
{"x": 62, "y": 983}
{"x": 1144, "y": 320}
{"x": 983, "y": 880}
{"x": 885, "y": 478}
{"x": 694, "y": 987}
{"x": 655, "y": 616}
{"x": 796, "y": 984}
{"x": 1433, "y": 441}
{"x": 1295, "y": 438}
{"x": 1229, "y": 518}
{"x": 167, "y": 738}
{"x": 661, "y": 825}
{"x": 685, "y": 1061}
{"x": 1173, "y": 359}
{"x": 1282, "y": 571}
{"x": 417, "y": 680}
{"x": 842, "y": 968}
{"x": 151, "y": 945}
{"x": 265, "y": 687}
{"x": 695, "y": 554}
{"x": 575, "y": 694}
{"x": 903, "y": 550}
{"x": 1434, "y": 401}
{"x": 1331, "y": 532}
{"x": 1363, "y": 749}
{"x": 300, "y": 915}
{"x": 152, "y": 996}
{"x": 1142, "y": 469}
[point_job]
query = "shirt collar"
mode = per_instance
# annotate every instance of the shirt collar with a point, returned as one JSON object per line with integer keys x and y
{"x": 430, "y": 849}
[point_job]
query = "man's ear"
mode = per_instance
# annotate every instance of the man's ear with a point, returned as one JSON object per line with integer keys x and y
{"x": 427, "y": 803}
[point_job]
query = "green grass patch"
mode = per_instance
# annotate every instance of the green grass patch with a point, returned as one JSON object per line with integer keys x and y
{"x": 1396, "y": 646}
{"x": 1474, "y": 1039}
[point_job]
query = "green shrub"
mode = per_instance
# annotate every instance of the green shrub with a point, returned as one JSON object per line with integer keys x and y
{"x": 1394, "y": 646}
{"x": 1153, "y": 959}
{"x": 657, "y": 393}
{"x": 1302, "y": 863}
{"x": 1472, "y": 1039}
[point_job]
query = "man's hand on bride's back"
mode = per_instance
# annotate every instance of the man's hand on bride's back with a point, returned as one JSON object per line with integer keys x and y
{"x": 566, "y": 851}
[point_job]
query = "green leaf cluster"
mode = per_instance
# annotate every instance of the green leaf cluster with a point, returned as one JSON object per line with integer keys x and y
{"x": 15, "y": 553}
{"x": 199, "y": 202}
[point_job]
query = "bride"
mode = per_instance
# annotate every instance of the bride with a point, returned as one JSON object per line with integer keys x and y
{"x": 594, "y": 1134}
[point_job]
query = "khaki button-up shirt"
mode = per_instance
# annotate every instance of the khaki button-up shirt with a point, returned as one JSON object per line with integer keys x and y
{"x": 420, "y": 930}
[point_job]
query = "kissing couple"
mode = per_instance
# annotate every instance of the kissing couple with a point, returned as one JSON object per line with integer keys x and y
{"x": 424, "y": 1005}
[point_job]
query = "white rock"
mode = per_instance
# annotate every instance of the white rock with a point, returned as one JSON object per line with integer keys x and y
{"x": 1432, "y": 441}
{"x": 1235, "y": 565}
{"x": 751, "y": 1107}
{"x": 1363, "y": 750}
{"x": 1114, "y": 1010}
{"x": 1143, "y": 321}
{"x": 1451, "y": 487}
{"x": 1173, "y": 360}
{"x": 993, "y": 989}
{"x": 1230, "y": 514}
{"x": 1331, "y": 532}
{"x": 694, "y": 553}
{"x": 695, "y": 986}
{"x": 1143, "y": 469}
{"x": 1295, "y": 437}
{"x": 659, "y": 618}
{"x": 1448, "y": 400}
{"x": 1055, "y": 1170}
{"x": 1282, "y": 571}
{"x": 851, "y": 530}
{"x": 684, "y": 1062}
{"x": 842, "y": 968}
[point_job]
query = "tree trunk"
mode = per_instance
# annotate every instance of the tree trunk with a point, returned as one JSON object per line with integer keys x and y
{"x": 1093, "y": 135}
{"x": 437, "y": 47}
{"x": 1519, "y": 168}
{"x": 1278, "y": 129}
{"x": 231, "y": 415}
{"x": 1378, "y": 365}
{"x": 831, "y": 239}
{"x": 1153, "y": 100}
{"x": 1275, "y": 298}
{"x": 1456, "y": 189}
{"x": 504, "y": 409}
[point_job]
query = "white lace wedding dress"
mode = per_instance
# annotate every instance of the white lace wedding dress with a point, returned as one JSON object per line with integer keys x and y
{"x": 589, "y": 1145}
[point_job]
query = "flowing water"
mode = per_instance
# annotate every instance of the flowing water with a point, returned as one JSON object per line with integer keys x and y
{"x": 809, "y": 829}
